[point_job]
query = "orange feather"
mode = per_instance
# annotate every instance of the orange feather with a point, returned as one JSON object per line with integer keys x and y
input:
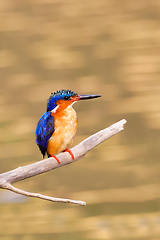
{"x": 65, "y": 120}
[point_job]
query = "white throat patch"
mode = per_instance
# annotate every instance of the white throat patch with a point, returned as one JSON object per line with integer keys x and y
{"x": 55, "y": 109}
{"x": 71, "y": 104}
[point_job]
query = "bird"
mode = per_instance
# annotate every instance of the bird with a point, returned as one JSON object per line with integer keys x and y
{"x": 57, "y": 126}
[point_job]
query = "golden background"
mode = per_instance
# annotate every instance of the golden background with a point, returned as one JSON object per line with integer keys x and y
{"x": 106, "y": 47}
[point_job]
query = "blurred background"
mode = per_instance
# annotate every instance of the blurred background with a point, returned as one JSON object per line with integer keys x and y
{"x": 106, "y": 47}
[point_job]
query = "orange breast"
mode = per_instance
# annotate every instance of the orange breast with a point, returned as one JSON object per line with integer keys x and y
{"x": 65, "y": 130}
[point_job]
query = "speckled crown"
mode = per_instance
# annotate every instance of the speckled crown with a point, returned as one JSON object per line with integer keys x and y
{"x": 58, "y": 95}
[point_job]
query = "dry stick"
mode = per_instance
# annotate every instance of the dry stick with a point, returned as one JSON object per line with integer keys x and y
{"x": 79, "y": 151}
{"x": 44, "y": 197}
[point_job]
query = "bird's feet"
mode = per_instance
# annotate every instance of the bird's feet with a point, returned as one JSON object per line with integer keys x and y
{"x": 70, "y": 152}
{"x": 67, "y": 150}
{"x": 51, "y": 155}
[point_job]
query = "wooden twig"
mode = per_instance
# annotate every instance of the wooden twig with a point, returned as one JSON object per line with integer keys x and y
{"x": 44, "y": 197}
{"x": 79, "y": 151}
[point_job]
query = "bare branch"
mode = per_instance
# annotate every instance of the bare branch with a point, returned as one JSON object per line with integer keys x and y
{"x": 44, "y": 197}
{"x": 79, "y": 151}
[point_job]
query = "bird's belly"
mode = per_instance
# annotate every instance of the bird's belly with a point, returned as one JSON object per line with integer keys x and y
{"x": 65, "y": 130}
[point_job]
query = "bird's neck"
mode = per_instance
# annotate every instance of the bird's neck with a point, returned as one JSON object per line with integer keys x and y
{"x": 62, "y": 110}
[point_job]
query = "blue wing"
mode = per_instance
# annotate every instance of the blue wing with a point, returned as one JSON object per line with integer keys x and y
{"x": 44, "y": 130}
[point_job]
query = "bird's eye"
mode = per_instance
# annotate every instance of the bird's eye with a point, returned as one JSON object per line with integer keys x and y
{"x": 66, "y": 98}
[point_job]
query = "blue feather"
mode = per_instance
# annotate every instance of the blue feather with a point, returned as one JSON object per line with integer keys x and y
{"x": 58, "y": 95}
{"x": 44, "y": 130}
{"x": 45, "y": 126}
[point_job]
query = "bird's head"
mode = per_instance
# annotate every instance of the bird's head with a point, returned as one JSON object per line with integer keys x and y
{"x": 63, "y": 98}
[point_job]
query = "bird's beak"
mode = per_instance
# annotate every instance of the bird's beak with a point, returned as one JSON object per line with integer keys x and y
{"x": 84, "y": 97}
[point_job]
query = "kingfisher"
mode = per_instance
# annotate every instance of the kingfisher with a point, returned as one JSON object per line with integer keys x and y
{"x": 57, "y": 126}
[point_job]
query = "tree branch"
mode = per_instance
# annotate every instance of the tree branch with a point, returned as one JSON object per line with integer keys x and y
{"x": 44, "y": 197}
{"x": 79, "y": 151}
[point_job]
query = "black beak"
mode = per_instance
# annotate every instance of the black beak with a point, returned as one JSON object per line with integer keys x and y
{"x": 84, "y": 97}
